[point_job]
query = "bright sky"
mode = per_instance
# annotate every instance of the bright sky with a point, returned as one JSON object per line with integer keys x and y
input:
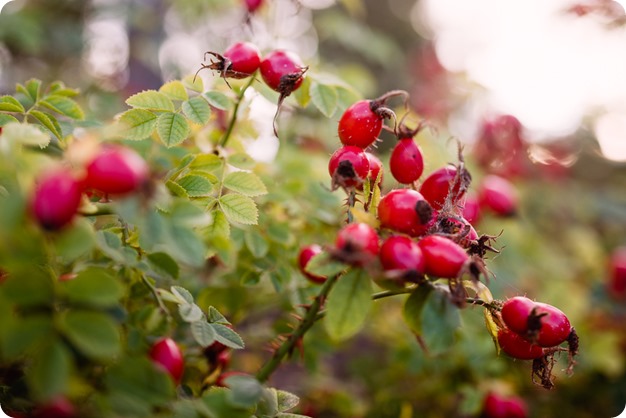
{"x": 551, "y": 69}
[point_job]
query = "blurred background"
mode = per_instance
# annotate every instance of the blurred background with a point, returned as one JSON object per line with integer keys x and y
{"x": 556, "y": 66}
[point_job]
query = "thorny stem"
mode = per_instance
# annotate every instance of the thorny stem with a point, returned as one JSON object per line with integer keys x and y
{"x": 351, "y": 203}
{"x": 233, "y": 118}
{"x": 307, "y": 322}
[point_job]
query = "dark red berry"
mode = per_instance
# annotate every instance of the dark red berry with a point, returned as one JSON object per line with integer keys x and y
{"x": 359, "y": 125}
{"x": 253, "y": 5}
{"x": 436, "y": 186}
{"x": 282, "y": 71}
{"x": 517, "y": 347}
{"x": 244, "y": 58}
{"x": 221, "y": 379}
{"x": 406, "y": 162}
{"x": 498, "y": 406}
{"x": 405, "y": 211}
{"x": 471, "y": 209}
{"x": 515, "y": 312}
{"x": 306, "y": 254}
{"x": 442, "y": 257}
{"x": 541, "y": 323}
{"x": 498, "y": 195}
{"x": 348, "y": 167}
{"x": 167, "y": 355}
{"x": 56, "y": 199}
{"x": 555, "y": 326}
{"x": 500, "y": 148}
{"x": 401, "y": 253}
{"x": 617, "y": 273}
{"x": 117, "y": 170}
{"x": 376, "y": 167}
{"x": 57, "y": 408}
{"x": 357, "y": 243}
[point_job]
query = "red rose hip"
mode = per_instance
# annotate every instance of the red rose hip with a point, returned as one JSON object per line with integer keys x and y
{"x": 436, "y": 186}
{"x": 245, "y": 59}
{"x": 305, "y": 255}
{"x": 517, "y": 347}
{"x": 376, "y": 167}
{"x": 359, "y": 125}
{"x": 498, "y": 406}
{"x": 406, "y": 162}
{"x": 399, "y": 252}
{"x": 167, "y": 355}
{"x": 515, "y": 312}
{"x": 357, "y": 243}
{"x": 56, "y": 408}
{"x": 348, "y": 167}
{"x": 498, "y": 195}
{"x": 405, "y": 211}
{"x": 282, "y": 71}
{"x": 617, "y": 273}
{"x": 117, "y": 170}
{"x": 442, "y": 257}
{"x": 56, "y": 199}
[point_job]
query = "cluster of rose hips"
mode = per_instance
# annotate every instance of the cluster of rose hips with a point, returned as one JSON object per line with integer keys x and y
{"x": 112, "y": 170}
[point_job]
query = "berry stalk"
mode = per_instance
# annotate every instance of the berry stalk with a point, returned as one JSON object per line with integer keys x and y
{"x": 233, "y": 118}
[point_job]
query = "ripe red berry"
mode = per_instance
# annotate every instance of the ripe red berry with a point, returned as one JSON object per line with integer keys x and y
{"x": 359, "y": 125}
{"x": 498, "y": 195}
{"x": 167, "y": 355}
{"x": 357, "y": 243}
{"x": 471, "y": 209}
{"x": 282, "y": 71}
{"x": 517, "y": 347}
{"x": 401, "y": 253}
{"x": 436, "y": 186}
{"x": 348, "y": 167}
{"x": 406, "y": 162}
{"x": 376, "y": 167}
{"x": 253, "y": 5}
{"x": 116, "y": 170}
{"x": 442, "y": 257}
{"x": 405, "y": 211}
{"x": 498, "y": 406}
{"x": 617, "y": 273}
{"x": 245, "y": 59}
{"x": 56, "y": 199}
{"x": 542, "y": 323}
{"x": 56, "y": 408}
{"x": 306, "y": 254}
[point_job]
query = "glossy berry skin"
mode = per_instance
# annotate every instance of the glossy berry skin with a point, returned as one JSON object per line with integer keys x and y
{"x": 555, "y": 326}
{"x": 253, "y": 5}
{"x": 349, "y": 166}
{"x": 471, "y": 209}
{"x": 405, "y": 211}
{"x": 552, "y": 327}
{"x": 517, "y": 347}
{"x": 436, "y": 186}
{"x": 166, "y": 354}
{"x": 280, "y": 66}
{"x": 498, "y": 195}
{"x": 56, "y": 199}
{"x": 57, "y": 408}
{"x": 406, "y": 162}
{"x": 359, "y": 125}
{"x": 498, "y": 406}
{"x": 359, "y": 241}
{"x": 306, "y": 254}
{"x": 617, "y": 273}
{"x": 399, "y": 252}
{"x": 376, "y": 167}
{"x": 244, "y": 57}
{"x": 515, "y": 312}
{"x": 442, "y": 257}
{"x": 116, "y": 170}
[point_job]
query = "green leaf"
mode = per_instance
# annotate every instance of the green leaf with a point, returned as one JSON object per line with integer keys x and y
{"x": 220, "y": 226}
{"x": 440, "y": 322}
{"x": 218, "y": 405}
{"x": 5, "y": 119}
{"x": 288, "y": 415}
{"x": 49, "y": 122}
{"x": 110, "y": 244}
{"x": 26, "y": 335}
{"x": 34, "y": 88}
{"x": 151, "y": 100}
{"x": 246, "y": 183}
{"x": 195, "y": 186}
{"x": 59, "y": 88}
{"x": 286, "y": 400}
{"x": 172, "y": 129}
{"x": 176, "y": 189}
{"x": 240, "y": 209}
{"x": 197, "y": 110}
{"x": 324, "y": 265}
{"x": 413, "y": 308}
{"x": 245, "y": 391}
{"x": 50, "y": 373}
{"x": 256, "y": 243}
{"x": 302, "y": 94}
{"x": 30, "y": 288}
{"x": 164, "y": 264}
{"x": 138, "y": 123}
{"x": 76, "y": 241}
{"x": 175, "y": 90}
{"x": 217, "y": 100}
{"x": 203, "y": 333}
{"x": 348, "y": 305}
{"x": 242, "y": 161}
{"x": 346, "y": 97}
{"x": 182, "y": 294}
{"x": 227, "y": 336}
{"x": 193, "y": 83}
{"x": 207, "y": 162}
{"x": 63, "y": 105}
{"x": 94, "y": 334}
{"x": 324, "y": 97}
{"x": 10, "y": 104}
{"x": 214, "y": 315}
{"x": 138, "y": 378}
{"x": 185, "y": 246}
{"x": 190, "y": 312}
{"x": 94, "y": 286}
{"x": 24, "y": 134}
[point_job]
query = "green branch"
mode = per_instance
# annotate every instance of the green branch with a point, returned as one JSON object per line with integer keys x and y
{"x": 233, "y": 118}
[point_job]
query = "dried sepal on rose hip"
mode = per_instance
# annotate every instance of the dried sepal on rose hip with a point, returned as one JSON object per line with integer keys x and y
{"x": 446, "y": 186}
{"x": 406, "y": 211}
{"x": 240, "y": 60}
{"x": 348, "y": 168}
{"x": 356, "y": 244}
{"x": 402, "y": 259}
